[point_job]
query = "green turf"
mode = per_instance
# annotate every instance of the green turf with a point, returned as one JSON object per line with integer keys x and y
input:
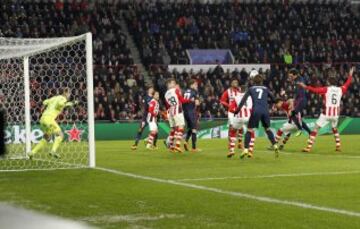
{"x": 110, "y": 200}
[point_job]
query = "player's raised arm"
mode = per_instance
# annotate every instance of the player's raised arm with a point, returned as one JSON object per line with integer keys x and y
{"x": 181, "y": 98}
{"x": 346, "y": 85}
{"x": 316, "y": 90}
{"x": 242, "y": 102}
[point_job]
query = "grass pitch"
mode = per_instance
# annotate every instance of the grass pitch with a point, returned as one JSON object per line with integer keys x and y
{"x": 157, "y": 189}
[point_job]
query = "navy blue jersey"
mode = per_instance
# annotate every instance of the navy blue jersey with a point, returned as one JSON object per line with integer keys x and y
{"x": 300, "y": 95}
{"x": 259, "y": 96}
{"x": 146, "y": 102}
{"x": 192, "y": 95}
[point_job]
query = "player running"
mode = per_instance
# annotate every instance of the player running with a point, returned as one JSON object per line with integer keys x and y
{"x": 260, "y": 112}
{"x": 191, "y": 115}
{"x": 148, "y": 97}
{"x": 228, "y": 100}
{"x": 331, "y": 107}
{"x": 153, "y": 112}
{"x": 300, "y": 102}
{"x": 174, "y": 101}
{"x": 48, "y": 125}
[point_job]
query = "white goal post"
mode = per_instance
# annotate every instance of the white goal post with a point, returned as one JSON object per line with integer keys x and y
{"x": 32, "y": 70}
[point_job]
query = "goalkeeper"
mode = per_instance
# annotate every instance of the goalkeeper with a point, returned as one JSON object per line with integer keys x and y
{"x": 53, "y": 107}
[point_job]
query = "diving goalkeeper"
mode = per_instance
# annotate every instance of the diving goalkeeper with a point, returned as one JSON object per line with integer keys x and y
{"x": 53, "y": 107}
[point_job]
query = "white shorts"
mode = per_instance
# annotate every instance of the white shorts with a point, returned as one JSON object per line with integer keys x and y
{"x": 176, "y": 120}
{"x": 237, "y": 123}
{"x": 323, "y": 120}
{"x": 288, "y": 128}
{"x": 153, "y": 126}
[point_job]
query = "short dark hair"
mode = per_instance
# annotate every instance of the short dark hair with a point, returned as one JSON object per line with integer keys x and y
{"x": 258, "y": 79}
{"x": 170, "y": 80}
{"x": 294, "y": 71}
{"x": 278, "y": 100}
{"x": 332, "y": 80}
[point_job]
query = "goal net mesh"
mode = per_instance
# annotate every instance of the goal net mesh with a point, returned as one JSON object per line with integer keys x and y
{"x": 53, "y": 65}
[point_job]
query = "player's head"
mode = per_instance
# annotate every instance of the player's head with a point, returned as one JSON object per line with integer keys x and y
{"x": 171, "y": 83}
{"x": 293, "y": 74}
{"x": 150, "y": 90}
{"x": 278, "y": 103}
{"x": 258, "y": 80}
{"x": 156, "y": 95}
{"x": 234, "y": 83}
{"x": 193, "y": 84}
{"x": 332, "y": 80}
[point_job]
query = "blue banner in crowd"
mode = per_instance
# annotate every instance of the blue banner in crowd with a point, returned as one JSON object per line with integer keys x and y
{"x": 210, "y": 56}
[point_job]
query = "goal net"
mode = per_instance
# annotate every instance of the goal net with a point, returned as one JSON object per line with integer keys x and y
{"x": 32, "y": 70}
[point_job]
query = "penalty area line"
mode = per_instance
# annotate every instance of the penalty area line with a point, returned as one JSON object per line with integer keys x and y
{"x": 272, "y": 176}
{"x": 235, "y": 194}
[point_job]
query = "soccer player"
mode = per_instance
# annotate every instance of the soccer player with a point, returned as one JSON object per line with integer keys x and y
{"x": 53, "y": 107}
{"x": 228, "y": 100}
{"x": 191, "y": 115}
{"x": 153, "y": 112}
{"x": 260, "y": 112}
{"x": 300, "y": 102}
{"x": 148, "y": 97}
{"x": 289, "y": 126}
{"x": 331, "y": 107}
{"x": 174, "y": 101}
{"x": 238, "y": 121}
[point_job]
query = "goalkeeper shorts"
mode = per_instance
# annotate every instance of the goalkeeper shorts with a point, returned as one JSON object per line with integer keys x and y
{"x": 49, "y": 126}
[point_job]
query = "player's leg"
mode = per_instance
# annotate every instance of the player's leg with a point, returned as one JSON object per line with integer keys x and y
{"x": 46, "y": 129}
{"x": 240, "y": 137}
{"x": 152, "y": 134}
{"x": 179, "y": 131}
{"x": 231, "y": 141}
{"x": 188, "y": 133}
{"x": 139, "y": 133}
{"x": 59, "y": 136}
{"x": 171, "y": 136}
{"x": 334, "y": 123}
{"x": 321, "y": 122}
{"x": 265, "y": 121}
{"x": 305, "y": 127}
{"x": 250, "y": 135}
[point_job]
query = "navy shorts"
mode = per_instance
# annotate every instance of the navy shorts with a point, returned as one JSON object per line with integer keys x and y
{"x": 256, "y": 117}
{"x": 191, "y": 120}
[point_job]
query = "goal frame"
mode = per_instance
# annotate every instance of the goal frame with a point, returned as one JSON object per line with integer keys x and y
{"x": 90, "y": 98}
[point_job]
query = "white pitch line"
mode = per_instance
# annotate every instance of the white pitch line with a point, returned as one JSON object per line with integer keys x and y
{"x": 272, "y": 176}
{"x": 236, "y": 194}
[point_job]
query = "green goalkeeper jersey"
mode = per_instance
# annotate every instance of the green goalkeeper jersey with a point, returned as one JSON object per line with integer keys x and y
{"x": 54, "y": 106}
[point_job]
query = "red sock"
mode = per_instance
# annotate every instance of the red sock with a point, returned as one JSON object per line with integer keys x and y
{"x": 279, "y": 133}
{"x": 337, "y": 137}
{"x": 171, "y": 138}
{"x": 151, "y": 137}
{"x": 311, "y": 139}
{"x": 252, "y": 141}
{"x": 240, "y": 137}
{"x": 232, "y": 140}
{"x": 179, "y": 136}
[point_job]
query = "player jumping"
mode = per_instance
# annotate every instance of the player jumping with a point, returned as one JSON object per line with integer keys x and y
{"x": 174, "y": 101}
{"x": 331, "y": 107}
{"x": 260, "y": 112}
{"x": 53, "y": 107}
{"x": 153, "y": 112}
{"x": 191, "y": 115}
{"x": 144, "y": 123}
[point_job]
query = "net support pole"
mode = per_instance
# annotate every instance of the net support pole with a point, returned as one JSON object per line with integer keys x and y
{"x": 90, "y": 98}
{"x": 27, "y": 106}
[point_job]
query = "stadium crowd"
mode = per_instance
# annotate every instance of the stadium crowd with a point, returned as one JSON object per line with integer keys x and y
{"x": 256, "y": 33}
{"x": 279, "y": 34}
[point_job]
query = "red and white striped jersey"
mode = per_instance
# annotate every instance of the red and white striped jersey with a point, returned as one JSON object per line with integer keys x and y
{"x": 331, "y": 97}
{"x": 174, "y": 101}
{"x": 245, "y": 111}
{"x": 228, "y": 98}
{"x": 153, "y": 110}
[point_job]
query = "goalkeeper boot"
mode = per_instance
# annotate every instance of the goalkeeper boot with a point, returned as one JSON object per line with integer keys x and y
{"x": 244, "y": 153}
{"x": 31, "y": 156}
{"x": 276, "y": 150}
{"x": 54, "y": 155}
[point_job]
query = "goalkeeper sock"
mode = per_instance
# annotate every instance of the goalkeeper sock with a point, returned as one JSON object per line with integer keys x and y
{"x": 56, "y": 144}
{"x": 39, "y": 146}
